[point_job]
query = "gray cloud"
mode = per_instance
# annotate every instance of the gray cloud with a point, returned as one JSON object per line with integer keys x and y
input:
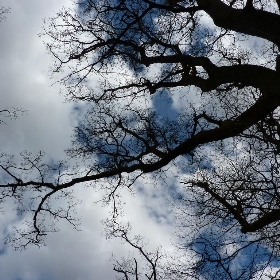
{"x": 47, "y": 126}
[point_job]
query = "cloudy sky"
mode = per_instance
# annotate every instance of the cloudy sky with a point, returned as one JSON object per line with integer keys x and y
{"x": 47, "y": 126}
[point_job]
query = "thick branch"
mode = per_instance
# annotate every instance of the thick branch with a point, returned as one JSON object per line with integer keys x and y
{"x": 266, "y": 219}
{"x": 278, "y": 4}
{"x": 245, "y": 74}
{"x": 237, "y": 215}
{"x": 174, "y": 7}
{"x": 248, "y": 21}
{"x": 265, "y": 105}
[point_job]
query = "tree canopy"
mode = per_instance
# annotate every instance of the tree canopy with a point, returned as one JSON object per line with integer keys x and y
{"x": 218, "y": 62}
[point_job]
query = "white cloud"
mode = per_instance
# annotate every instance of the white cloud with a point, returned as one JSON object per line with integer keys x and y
{"x": 25, "y": 83}
{"x": 47, "y": 126}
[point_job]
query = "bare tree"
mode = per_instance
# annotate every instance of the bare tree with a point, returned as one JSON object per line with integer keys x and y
{"x": 222, "y": 54}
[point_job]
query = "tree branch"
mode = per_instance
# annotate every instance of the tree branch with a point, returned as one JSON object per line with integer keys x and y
{"x": 278, "y": 4}
{"x": 265, "y": 220}
{"x": 248, "y": 21}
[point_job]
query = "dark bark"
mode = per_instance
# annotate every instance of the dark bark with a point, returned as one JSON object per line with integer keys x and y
{"x": 248, "y": 21}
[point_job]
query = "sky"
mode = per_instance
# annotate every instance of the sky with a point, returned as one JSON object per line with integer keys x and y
{"x": 47, "y": 126}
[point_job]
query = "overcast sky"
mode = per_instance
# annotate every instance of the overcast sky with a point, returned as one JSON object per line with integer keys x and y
{"x": 47, "y": 126}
